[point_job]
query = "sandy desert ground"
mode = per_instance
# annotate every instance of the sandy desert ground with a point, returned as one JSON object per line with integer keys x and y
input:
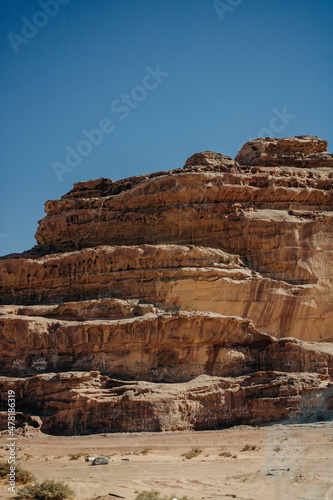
{"x": 288, "y": 462}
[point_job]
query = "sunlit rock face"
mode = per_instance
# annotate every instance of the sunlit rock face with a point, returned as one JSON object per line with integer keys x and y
{"x": 192, "y": 298}
{"x": 301, "y": 151}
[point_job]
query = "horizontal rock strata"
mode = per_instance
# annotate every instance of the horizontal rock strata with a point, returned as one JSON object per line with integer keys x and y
{"x": 173, "y": 277}
{"x": 302, "y": 151}
{"x": 193, "y": 298}
{"x": 238, "y": 213}
{"x": 86, "y": 402}
{"x": 146, "y": 344}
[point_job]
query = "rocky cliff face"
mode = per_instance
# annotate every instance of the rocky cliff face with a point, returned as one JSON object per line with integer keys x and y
{"x": 193, "y": 298}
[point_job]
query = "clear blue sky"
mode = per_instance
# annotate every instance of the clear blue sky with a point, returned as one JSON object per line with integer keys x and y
{"x": 230, "y": 72}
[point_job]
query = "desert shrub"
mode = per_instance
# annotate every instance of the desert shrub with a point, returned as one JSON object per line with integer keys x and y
{"x": 225, "y": 454}
{"x": 156, "y": 495}
{"x": 250, "y": 447}
{"x": 47, "y": 490}
{"x": 192, "y": 453}
{"x": 76, "y": 456}
{"x": 21, "y": 475}
{"x": 4, "y": 468}
{"x": 149, "y": 495}
{"x": 145, "y": 451}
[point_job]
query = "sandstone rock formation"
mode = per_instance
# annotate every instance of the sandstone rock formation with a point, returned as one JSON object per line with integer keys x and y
{"x": 302, "y": 151}
{"x": 87, "y": 402}
{"x": 188, "y": 299}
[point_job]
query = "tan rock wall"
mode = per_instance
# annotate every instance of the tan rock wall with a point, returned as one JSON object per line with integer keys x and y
{"x": 174, "y": 278}
{"x": 206, "y": 291}
{"x": 84, "y": 403}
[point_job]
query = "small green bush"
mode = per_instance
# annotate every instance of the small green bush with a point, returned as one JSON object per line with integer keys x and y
{"x": 21, "y": 475}
{"x": 47, "y": 490}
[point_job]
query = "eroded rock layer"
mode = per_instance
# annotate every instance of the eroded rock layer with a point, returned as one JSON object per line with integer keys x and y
{"x": 278, "y": 220}
{"x": 173, "y": 277}
{"x": 130, "y": 340}
{"x": 188, "y": 299}
{"x": 86, "y": 402}
{"x": 302, "y": 151}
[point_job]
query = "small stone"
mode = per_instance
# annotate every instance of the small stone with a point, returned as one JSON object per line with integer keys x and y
{"x": 100, "y": 461}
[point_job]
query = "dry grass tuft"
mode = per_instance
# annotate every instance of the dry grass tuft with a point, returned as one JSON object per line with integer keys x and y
{"x": 192, "y": 453}
{"x": 47, "y": 490}
{"x": 76, "y": 456}
{"x": 21, "y": 475}
{"x": 250, "y": 447}
{"x": 156, "y": 495}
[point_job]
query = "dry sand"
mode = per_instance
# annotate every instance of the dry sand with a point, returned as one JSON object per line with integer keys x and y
{"x": 289, "y": 462}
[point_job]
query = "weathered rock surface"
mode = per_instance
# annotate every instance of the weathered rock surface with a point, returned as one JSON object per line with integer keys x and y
{"x": 145, "y": 343}
{"x": 219, "y": 210}
{"x": 302, "y": 151}
{"x": 172, "y": 277}
{"x": 86, "y": 402}
{"x": 187, "y": 299}
{"x": 176, "y": 277}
